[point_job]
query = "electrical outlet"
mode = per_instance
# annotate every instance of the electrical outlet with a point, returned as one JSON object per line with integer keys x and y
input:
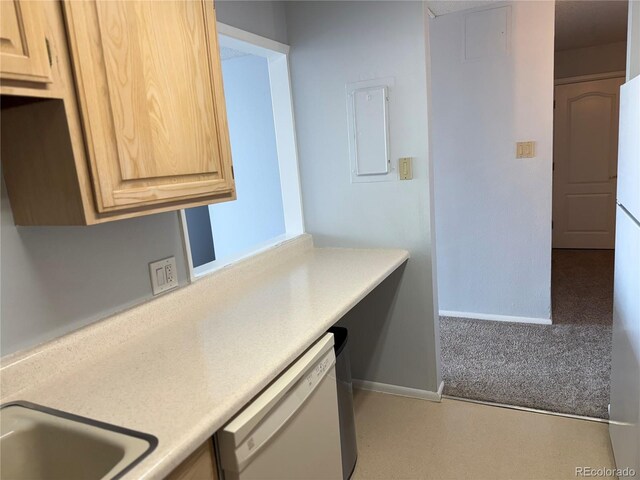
{"x": 164, "y": 275}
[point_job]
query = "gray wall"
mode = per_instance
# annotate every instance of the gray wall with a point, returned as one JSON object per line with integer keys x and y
{"x": 493, "y": 211}
{"x": 263, "y": 18}
{"x": 393, "y": 333}
{"x": 57, "y": 279}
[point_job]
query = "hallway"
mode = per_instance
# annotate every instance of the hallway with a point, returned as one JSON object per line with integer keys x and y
{"x": 564, "y": 367}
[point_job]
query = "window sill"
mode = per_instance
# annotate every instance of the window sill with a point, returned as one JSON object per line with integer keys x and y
{"x": 212, "y": 267}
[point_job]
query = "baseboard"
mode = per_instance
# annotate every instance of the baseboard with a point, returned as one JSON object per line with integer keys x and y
{"x": 496, "y": 318}
{"x": 400, "y": 391}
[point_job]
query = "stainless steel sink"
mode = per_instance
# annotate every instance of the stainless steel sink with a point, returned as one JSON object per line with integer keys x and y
{"x": 41, "y": 443}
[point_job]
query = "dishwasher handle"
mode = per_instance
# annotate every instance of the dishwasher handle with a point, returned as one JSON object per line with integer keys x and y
{"x": 278, "y": 417}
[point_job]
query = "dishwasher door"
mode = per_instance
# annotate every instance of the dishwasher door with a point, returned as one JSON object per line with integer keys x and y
{"x": 291, "y": 430}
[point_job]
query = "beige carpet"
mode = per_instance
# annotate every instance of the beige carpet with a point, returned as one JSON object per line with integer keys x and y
{"x": 564, "y": 367}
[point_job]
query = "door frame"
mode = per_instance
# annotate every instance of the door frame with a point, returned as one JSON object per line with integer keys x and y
{"x": 589, "y": 78}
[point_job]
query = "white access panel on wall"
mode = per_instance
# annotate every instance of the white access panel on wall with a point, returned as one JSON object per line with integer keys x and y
{"x": 368, "y": 110}
{"x": 487, "y": 33}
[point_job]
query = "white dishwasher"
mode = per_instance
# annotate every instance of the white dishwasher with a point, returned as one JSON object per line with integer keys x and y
{"x": 291, "y": 430}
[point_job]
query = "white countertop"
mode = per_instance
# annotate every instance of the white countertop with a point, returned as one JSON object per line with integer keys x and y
{"x": 180, "y": 366}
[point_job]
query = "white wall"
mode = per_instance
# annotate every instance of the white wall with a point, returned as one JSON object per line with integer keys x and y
{"x": 493, "y": 212}
{"x": 257, "y": 215}
{"x": 393, "y": 335}
{"x": 265, "y": 18}
{"x": 611, "y": 57}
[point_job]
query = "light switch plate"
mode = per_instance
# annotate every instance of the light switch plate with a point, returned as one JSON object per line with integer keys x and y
{"x": 164, "y": 275}
{"x": 525, "y": 149}
{"x": 405, "y": 168}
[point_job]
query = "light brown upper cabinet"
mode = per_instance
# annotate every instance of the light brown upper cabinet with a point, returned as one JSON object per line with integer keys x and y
{"x": 23, "y": 45}
{"x": 150, "y": 93}
{"x": 135, "y": 122}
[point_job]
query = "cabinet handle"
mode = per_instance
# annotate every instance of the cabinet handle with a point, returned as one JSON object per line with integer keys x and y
{"x": 46, "y": 41}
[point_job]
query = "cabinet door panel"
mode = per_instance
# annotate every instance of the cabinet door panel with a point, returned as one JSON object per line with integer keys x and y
{"x": 159, "y": 88}
{"x": 200, "y": 465}
{"x": 23, "y": 49}
{"x": 150, "y": 91}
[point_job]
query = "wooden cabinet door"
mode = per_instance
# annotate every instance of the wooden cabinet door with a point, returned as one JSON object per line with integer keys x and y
{"x": 149, "y": 84}
{"x": 201, "y": 465}
{"x": 23, "y": 47}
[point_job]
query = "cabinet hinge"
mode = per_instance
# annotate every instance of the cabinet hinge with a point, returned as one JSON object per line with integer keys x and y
{"x": 46, "y": 41}
{"x": 233, "y": 174}
{"x": 554, "y": 103}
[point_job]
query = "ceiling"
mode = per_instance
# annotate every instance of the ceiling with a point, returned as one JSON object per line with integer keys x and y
{"x": 583, "y": 23}
{"x": 579, "y": 23}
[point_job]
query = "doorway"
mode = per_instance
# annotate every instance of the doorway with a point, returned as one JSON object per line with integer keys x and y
{"x": 590, "y": 64}
{"x": 585, "y": 160}
{"x": 562, "y": 363}
{"x": 589, "y": 71}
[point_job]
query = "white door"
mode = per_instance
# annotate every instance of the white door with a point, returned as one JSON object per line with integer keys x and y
{"x": 585, "y": 163}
